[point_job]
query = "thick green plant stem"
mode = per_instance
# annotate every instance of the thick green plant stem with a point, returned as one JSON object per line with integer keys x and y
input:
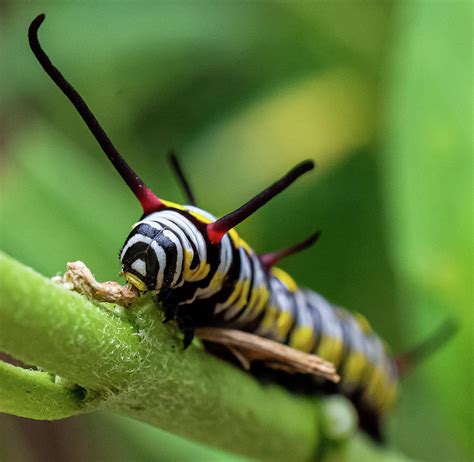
{"x": 134, "y": 363}
{"x": 128, "y": 361}
{"x": 37, "y": 395}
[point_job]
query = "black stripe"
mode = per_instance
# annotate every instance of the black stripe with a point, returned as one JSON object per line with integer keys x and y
{"x": 147, "y": 230}
{"x": 236, "y": 317}
{"x": 142, "y": 250}
{"x": 171, "y": 259}
{"x": 346, "y": 340}
{"x": 188, "y": 289}
{"x": 228, "y": 284}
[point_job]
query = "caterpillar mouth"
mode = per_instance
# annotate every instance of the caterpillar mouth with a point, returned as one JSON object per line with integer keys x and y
{"x": 135, "y": 281}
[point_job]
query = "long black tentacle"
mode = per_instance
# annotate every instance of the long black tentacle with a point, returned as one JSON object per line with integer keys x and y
{"x": 181, "y": 177}
{"x": 271, "y": 259}
{"x": 149, "y": 201}
{"x": 217, "y": 229}
{"x": 408, "y": 360}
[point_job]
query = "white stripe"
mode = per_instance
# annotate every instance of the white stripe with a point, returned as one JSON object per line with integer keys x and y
{"x": 139, "y": 266}
{"x": 134, "y": 240}
{"x": 282, "y": 301}
{"x": 221, "y": 272}
{"x": 189, "y": 232}
{"x": 303, "y": 317}
{"x": 179, "y": 254}
{"x": 188, "y": 228}
{"x": 330, "y": 324}
{"x": 259, "y": 281}
{"x": 159, "y": 252}
{"x": 161, "y": 256}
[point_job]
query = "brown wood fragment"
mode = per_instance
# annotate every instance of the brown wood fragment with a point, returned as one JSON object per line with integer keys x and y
{"x": 79, "y": 278}
{"x": 273, "y": 354}
{"x": 244, "y": 362}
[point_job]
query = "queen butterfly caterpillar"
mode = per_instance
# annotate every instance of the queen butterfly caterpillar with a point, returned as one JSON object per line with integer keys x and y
{"x": 205, "y": 274}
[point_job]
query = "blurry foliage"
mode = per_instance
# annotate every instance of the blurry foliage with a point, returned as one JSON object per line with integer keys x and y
{"x": 429, "y": 194}
{"x": 378, "y": 93}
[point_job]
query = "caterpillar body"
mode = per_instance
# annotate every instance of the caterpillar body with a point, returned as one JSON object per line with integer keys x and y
{"x": 229, "y": 285}
{"x": 205, "y": 274}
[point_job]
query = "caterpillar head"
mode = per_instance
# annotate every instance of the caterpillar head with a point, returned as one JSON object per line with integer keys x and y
{"x": 152, "y": 257}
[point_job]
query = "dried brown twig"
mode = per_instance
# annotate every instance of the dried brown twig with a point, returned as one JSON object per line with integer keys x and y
{"x": 249, "y": 347}
{"x": 79, "y": 278}
{"x": 244, "y": 346}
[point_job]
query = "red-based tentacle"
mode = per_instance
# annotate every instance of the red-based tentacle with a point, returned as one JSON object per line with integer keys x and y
{"x": 408, "y": 360}
{"x": 217, "y": 230}
{"x": 271, "y": 259}
{"x": 178, "y": 170}
{"x": 148, "y": 200}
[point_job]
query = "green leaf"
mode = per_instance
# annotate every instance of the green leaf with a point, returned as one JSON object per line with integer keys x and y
{"x": 36, "y": 394}
{"x": 429, "y": 184}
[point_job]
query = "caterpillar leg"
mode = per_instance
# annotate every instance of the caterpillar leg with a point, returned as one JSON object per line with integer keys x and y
{"x": 188, "y": 328}
{"x": 170, "y": 312}
{"x": 369, "y": 421}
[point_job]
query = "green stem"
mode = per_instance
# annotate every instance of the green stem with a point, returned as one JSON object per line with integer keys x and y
{"x": 134, "y": 363}
{"x": 34, "y": 394}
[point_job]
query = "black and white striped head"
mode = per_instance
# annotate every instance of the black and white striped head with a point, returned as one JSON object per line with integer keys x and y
{"x": 152, "y": 257}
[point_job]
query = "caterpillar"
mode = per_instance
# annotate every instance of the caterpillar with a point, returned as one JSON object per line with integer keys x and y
{"x": 205, "y": 274}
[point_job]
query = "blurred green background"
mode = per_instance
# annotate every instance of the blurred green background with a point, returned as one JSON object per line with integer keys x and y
{"x": 378, "y": 93}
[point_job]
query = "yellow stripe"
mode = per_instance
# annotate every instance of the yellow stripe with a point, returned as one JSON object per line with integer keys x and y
{"x": 363, "y": 323}
{"x": 257, "y": 302}
{"x": 283, "y": 324}
{"x": 264, "y": 296}
{"x": 390, "y": 392}
{"x": 203, "y": 271}
{"x": 246, "y": 247}
{"x": 200, "y": 217}
{"x": 216, "y": 280}
{"x": 243, "y": 295}
{"x": 172, "y": 205}
{"x": 285, "y": 278}
{"x": 375, "y": 388}
{"x": 236, "y": 306}
{"x": 239, "y": 242}
{"x": 234, "y": 237}
{"x": 255, "y": 294}
{"x": 135, "y": 281}
{"x": 380, "y": 389}
{"x": 188, "y": 258}
{"x": 196, "y": 274}
{"x": 302, "y": 338}
{"x": 269, "y": 320}
{"x": 331, "y": 349}
{"x": 233, "y": 296}
{"x": 354, "y": 368}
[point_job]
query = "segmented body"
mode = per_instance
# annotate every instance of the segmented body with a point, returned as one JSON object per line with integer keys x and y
{"x": 227, "y": 285}
{"x": 206, "y": 274}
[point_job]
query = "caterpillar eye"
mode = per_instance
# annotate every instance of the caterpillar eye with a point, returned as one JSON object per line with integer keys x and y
{"x": 135, "y": 281}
